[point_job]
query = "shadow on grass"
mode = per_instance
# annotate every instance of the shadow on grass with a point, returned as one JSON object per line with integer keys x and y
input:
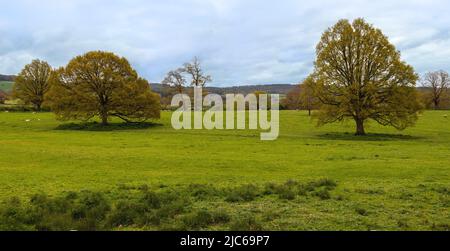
{"x": 368, "y": 137}
{"x": 97, "y": 127}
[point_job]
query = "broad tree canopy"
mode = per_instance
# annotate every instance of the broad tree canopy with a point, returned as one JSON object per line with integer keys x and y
{"x": 102, "y": 84}
{"x": 359, "y": 75}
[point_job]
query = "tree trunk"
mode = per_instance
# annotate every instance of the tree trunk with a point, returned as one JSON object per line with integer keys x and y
{"x": 309, "y": 112}
{"x": 104, "y": 120}
{"x": 38, "y": 107}
{"x": 436, "y": 104}
{"x": 359, "y": 127}
{"x": 104, "y": 116}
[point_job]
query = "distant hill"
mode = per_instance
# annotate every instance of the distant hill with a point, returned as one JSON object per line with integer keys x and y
{"x": 9, "y": 78}
{"x": 246, "y": 89}
{"x": 6, "y": 82}
{"x": 273, "y": 89}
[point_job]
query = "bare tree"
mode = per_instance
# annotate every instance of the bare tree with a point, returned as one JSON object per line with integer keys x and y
{"x": 438, "y": 82}
{"x": 175, "y": 79}
{"x": 194, "y": 70}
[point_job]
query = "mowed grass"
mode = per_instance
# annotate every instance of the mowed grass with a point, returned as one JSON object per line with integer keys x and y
{"x": 386, "y": 180}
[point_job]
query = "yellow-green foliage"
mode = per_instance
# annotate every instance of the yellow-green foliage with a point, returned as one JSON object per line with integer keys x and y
{"x": 101, "y": 84}
{"x": 359, "y": 75}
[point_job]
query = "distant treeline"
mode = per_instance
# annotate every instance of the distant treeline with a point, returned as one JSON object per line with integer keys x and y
{"x": 294, "y": 100}
{"x": 247, "y": 89}
{"x": 289, "y": 93}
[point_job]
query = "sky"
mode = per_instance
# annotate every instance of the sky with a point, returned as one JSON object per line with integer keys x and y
{"x": 239, "y": 42}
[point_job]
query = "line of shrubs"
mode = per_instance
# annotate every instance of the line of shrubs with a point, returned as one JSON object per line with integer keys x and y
{"x": 148, "y": 209}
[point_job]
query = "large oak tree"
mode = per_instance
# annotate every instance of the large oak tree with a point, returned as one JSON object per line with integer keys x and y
{"x": 359, "y": 75}
{"x": 104, "y": 85}
{"x": 32, "y": 83}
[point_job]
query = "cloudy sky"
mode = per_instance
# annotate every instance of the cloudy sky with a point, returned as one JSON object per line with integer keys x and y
{"x": 238, "y": 41}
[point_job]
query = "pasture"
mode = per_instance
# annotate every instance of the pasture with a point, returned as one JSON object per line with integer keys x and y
{"x": 6, "y": 86}
{"x": 388, "y": 180}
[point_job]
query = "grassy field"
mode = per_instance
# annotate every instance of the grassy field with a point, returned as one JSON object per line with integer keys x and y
{"x": 6, "y": 86}
{"x": 388, "y": 180}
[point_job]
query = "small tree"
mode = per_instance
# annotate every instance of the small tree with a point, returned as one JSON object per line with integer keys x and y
{"x": 102, "y": 84}
{"x": 195, "y": 72}
{"x": 438, "y": 82}
{"x": 175, "y": 79}
{"x": 32, "y": 83}
{"x": 307, "y": 99}
{"x": 292, "y": 99}
{"x": 359, "y": 75}
{"x": 3, "y": 97}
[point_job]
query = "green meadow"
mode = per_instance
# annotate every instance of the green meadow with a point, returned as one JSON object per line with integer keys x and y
{"x": 309, "y": 179}
{"x": 6, "y": 86}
